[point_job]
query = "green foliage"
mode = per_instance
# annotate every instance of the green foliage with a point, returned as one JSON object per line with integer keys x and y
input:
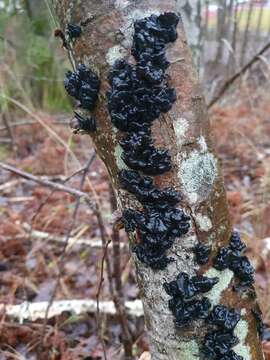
{"x": 32, "y": 63}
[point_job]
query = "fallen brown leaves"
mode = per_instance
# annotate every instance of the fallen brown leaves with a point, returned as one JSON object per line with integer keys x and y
{"x": 29, "y": 267}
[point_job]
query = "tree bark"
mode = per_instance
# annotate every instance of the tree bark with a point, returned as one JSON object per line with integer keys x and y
{"x": 191, "y": 15}
{"x": 107, "y": 35}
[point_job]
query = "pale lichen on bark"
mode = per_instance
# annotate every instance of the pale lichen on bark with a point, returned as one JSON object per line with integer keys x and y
{"x": 224, "y": 279}
{"x": 241, "y": 331}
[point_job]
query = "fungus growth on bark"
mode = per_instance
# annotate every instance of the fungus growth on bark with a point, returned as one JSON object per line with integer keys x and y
{"x": 83, "y": 84}
{"x": 74, "y": 31}
{"x": 182, "y": 290}
{"x": 230, "y": 257}
{"x": 202, "y": 253}
{"x": 138, "y": 95}
{"x": 83, "y": 124}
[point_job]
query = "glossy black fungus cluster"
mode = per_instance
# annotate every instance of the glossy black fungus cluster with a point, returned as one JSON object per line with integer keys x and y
{"x": 140, "y": 154}
{"x": 202, "y": 253}
{"x": 146, "y": 192}
{"x": 182, "y": 290}
{"x": 74, "y": 31}
{"x": 231, "y": 355}
{"x": 133, "y": 102}
{"x": 158, "y": 224}
{"x": 157, "y": 228}
{"x": 83, "y": 84}
{"x": 224, "y": 317}
{"x": 151, "y": 36}
{"x": 218, "y": 343}
{"x": 230, "y": 257}
{"x": 138, "y": 95}
{"x": 85, "y": 124}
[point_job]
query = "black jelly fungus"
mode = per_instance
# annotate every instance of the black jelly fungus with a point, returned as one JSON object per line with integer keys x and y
{"x": 181, "y": 290}
{"x": 74, "y": 31}
{"x": 137, "y": 97}
{"x": 218, "y": 343}
{"x": 133, "y": 103}
{"x": 157, "y": 228}
{"x": 231, "y": 355}
{"x": 186, "y": 286}
{"x": 202, "y": 253}
{"x": 83, "y": 84}
{"x": 87, "y": 124}
{"x": 145, "y": 191}
{"x": 235, "y": 242}
{"x": 138, "y": 94}
{"x": 156, "y": 259}
{"x": 186, "y": 311}
{"x": 140, "y": 154}
{"x": 224, "y": 317}
{"x": 221, "y": 261}
{"x": 230, "y": 257}
{"x": 242, "y": 269}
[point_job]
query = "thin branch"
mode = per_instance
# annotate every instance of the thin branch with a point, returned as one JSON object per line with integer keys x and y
{"x": 234, "y": 77}
{"x": 29, "y": 123}
{"x": 42, "y": 235}
{"x": 44, "y": 202}
{"x": 47, "y": 183}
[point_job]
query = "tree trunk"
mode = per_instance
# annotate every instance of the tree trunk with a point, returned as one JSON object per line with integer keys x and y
{"x": 191, "y": 15}
{"x": 107, "y": 28}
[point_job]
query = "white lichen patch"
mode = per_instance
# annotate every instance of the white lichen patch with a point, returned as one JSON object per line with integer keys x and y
{"x": 188, "y": 351}
{"x": 121, "y": 4}
{"x": 202, "y": 144}
{"x": 115, "y": 53}
{"x": 118, "y": 151}
{"x": 198, "y": 173}
{"x": 180, "y": 128}
{"x": 203, "y": 222}
{"x": 241, "y": 331}
{"x": 224, "y": 277}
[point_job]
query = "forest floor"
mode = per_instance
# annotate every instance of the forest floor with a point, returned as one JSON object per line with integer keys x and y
{"x": 29, "y": 262}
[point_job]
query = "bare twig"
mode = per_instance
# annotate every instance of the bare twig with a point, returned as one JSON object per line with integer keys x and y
{"x": 37, "y": 310}
{"x": 47, "y": 183}
{"x": 239, "y": 73}
{"x": 30, "y": 123}
{"x": 43, "y": 203}
{"x": 42, "y": 235}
